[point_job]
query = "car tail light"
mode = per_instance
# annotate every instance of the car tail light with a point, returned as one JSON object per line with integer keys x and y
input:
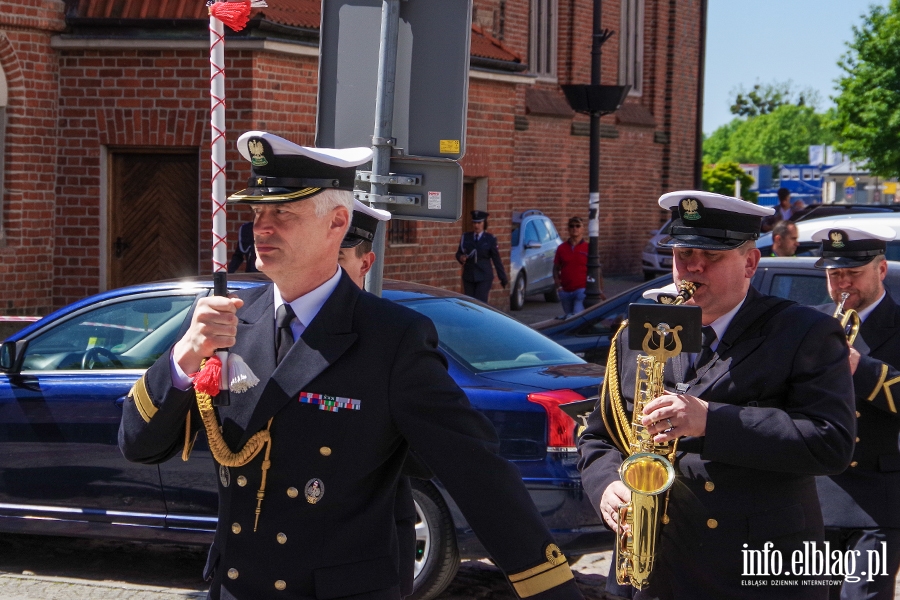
{"x": 560, "y": 426}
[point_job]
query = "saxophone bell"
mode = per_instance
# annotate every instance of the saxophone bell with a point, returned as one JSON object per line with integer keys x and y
{"x": 849, "y": 319}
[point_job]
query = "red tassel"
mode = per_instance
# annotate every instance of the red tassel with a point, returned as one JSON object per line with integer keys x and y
{"x": 206, "y": 380}
{"x": 233, "y": 14}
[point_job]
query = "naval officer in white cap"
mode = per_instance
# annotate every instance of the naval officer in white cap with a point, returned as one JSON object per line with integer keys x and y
{"x": 859, "y": 506}
{"x": 309, "y": 459}
{"x": 762, "y": 410}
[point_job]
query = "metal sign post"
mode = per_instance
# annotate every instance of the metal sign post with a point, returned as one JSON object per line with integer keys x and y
{"x": 382, "y": 141}
{"x": 419, "y": 93}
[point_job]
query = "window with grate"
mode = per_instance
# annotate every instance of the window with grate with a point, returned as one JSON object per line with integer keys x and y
{"x": 631, "y": 46}
{"x": 542, "y": 38}
{"x": 401, "y": 232}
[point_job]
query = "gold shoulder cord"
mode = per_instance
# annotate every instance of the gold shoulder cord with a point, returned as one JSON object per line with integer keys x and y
{"x": 622, "y": 435}
{"x": 223, "y": 454}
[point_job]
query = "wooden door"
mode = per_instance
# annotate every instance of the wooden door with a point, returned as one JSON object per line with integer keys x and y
{"x": 468, "y": 201}
{"x": 153, "y": 217}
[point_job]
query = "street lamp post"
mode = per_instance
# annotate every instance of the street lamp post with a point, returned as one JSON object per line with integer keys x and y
{"x": 596, "y": 100}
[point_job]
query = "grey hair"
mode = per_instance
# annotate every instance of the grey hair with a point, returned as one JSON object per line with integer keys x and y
{"x": 329, "y": 199}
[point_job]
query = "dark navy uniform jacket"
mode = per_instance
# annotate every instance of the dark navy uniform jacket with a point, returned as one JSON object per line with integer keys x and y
{"x": 867, "y": 494}
{"x": 358, "y": 347}
{"x": 780, "y": 412}
{"x": 479, "y": 256}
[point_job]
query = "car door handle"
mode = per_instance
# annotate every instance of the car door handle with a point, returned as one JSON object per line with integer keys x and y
{"x": 120, "y": 401}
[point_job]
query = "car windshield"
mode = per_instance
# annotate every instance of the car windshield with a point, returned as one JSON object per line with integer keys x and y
{"x": 483, "y": 339}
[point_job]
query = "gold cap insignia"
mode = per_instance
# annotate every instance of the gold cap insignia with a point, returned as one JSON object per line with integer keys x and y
{"x": 665, "y": 299}
{"x": 837, "y": 239}
{"x": 689, "y": 208}
{"x": 259, "y": 180}
{"x": 257, "y": 153}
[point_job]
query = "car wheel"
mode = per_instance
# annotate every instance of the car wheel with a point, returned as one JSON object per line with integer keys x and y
{"x": 437, "y": 557}
{"x": 551, "y": 296}
{"x": 517, "y": 296}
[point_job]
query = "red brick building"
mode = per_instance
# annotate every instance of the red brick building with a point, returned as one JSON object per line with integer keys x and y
{"x": 104, "y": 132}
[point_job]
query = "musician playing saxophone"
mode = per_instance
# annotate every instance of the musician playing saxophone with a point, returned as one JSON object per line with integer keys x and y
{"x": 758, "y": 413}
{"x": 859, "y": 505}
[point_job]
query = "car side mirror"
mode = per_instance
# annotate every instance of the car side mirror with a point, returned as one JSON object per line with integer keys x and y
{"x": 532, "y": 245}
{"x": 11, "y": 356}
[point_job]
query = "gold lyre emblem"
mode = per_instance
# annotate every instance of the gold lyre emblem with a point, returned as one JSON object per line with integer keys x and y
{"x": 837, "y": 239}
{"x": 689, "y": 208}
{"x": 658, "y": 335}
{"x": 257, "y": 153}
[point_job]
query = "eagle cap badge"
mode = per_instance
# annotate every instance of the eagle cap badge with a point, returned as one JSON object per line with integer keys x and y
{"x": 690, "y": 209}
{"x": 257, "y": 149}
{"x": 837, "y": 238}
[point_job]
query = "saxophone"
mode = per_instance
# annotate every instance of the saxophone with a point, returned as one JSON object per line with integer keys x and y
{"x": 647, "y": 471}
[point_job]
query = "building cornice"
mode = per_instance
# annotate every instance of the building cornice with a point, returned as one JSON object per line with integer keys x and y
{"x": 70, "y": 42}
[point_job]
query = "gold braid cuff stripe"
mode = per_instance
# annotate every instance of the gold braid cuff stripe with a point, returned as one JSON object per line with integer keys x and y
{"x": 878, "y": 386}
{"x": 540, "y": 579}
{"x": 142, "y": 400}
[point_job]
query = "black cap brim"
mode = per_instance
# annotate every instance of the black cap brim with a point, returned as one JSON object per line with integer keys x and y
{"x": 700, "y": 242}
{"x": 842, "y": 262}
{"x": 351, "y": 242}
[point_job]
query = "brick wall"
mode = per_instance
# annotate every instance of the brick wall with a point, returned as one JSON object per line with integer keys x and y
{"x": 66, "y": 105}
{"x": 30, "y": 68}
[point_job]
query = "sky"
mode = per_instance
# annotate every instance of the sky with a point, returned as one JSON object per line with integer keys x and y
{"x": 768, "y": 41}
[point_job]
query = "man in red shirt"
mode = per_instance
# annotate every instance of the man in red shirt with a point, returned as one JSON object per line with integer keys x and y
{"x": 570, "y": 268}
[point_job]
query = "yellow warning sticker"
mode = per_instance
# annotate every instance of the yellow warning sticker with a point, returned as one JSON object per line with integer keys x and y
{"x": 449, "y": 146}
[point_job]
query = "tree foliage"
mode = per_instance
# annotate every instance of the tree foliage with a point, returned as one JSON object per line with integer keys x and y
{"x": 720, "y": 178}
{"x": 763, "y": 99}
{"x": 782, "y": 136}
{"x": 867, "y": 120}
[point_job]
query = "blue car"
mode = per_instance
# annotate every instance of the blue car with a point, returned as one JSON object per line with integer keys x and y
{"x": 63, "y": 381}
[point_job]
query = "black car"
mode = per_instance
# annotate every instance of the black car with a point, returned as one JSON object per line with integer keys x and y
{"x": 588, "y": 333}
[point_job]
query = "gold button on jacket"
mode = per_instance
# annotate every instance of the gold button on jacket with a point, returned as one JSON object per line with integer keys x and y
{"x": 232, "y": 573}
{"x": 282, "y": 539}
{"x": 236, "y": 527}
{"x": 325, "y": 451}
{"x": 280, "y": 585}
{"x": 709, "y": 486}
{"x": 712, "y": 523}
{"x": 242, "y": 481}
{"x": 293, "y": 492}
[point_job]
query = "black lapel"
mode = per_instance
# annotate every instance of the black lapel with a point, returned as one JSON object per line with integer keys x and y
{"x": 881, "y": 325}
{"x": 324, "y": 341}
{"x": 256, "y": 345}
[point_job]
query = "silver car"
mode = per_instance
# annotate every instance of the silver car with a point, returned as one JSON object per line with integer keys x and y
{"x": 655, "y": 259}
{"x": 534, "y": 241}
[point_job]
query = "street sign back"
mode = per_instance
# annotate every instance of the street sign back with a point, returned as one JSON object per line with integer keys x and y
{"x": 431, "y": 84}
{"x": 435, "y": 195}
